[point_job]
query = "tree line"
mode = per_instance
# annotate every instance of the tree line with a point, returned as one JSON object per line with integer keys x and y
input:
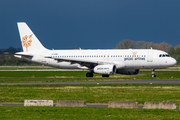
{"x": 126, "y": 44}
{"x": 11, "y": 50}
{"x": 7, "y": 58}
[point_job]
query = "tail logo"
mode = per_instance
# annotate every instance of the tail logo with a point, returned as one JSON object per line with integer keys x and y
{"x": 26, "y": 41}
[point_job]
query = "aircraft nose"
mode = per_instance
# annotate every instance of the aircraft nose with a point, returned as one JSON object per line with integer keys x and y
{"x": 173, "y": 61}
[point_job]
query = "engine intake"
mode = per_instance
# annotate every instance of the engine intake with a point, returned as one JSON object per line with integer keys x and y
{"x": 105, "y": 69}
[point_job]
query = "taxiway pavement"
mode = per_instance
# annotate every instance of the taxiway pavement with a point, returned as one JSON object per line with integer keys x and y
{"x": 88, "y": 105}
{"x": 141, "y": 82}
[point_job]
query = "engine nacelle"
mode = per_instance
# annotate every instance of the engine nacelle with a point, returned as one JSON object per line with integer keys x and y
{"x": 128, "y": 71}
{"x": 105, "y": 69}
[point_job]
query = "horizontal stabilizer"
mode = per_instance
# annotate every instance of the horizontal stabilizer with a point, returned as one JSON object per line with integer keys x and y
{"x": 24, "y": 54}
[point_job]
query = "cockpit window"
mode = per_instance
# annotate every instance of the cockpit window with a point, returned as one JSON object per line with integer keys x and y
{"x": 164, "y": 55}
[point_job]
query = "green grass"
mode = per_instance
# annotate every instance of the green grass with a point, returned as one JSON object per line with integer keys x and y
{"x": 76, "y": 113}
{"x": 25, "y": 67}
{"x": 91, "y": 93}
{"x": 26, "y": 80}
{"x": 42, "y": 73}
{"x": 81, "y": 74}
{"x": 72, "y": 76}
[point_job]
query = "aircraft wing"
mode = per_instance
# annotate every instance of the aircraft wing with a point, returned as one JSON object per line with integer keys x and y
{"x": 82, "y": 62}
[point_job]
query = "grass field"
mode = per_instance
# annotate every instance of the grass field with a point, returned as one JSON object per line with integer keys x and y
{"x": 52, "y": 113}
{"x": 24, "y": 67}
{"x": 91, "y": 93}
{"x": 70, "y": 76}
{"x": 82, "y": 74}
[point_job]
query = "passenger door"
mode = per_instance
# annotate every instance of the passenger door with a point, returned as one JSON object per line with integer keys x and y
{"x": 150, "y": 56}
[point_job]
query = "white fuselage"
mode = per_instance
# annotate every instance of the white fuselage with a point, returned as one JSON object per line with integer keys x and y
{"x": 142, "y": 58}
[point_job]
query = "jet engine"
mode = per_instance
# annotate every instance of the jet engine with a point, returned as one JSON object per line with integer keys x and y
{"x": 105, "y": 69}
{"x": 128, "y": 71}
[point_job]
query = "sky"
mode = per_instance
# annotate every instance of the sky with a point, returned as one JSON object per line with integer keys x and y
{"x": 90, "y": 24}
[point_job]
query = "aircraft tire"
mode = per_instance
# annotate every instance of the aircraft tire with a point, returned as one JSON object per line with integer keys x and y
{"x": 153, "y": 75}
{"x": 89, "y": 74}
{"x": 105, "y": 75}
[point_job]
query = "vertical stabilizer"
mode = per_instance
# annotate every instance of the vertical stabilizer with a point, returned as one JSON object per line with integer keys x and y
{"x": 28, "y": 39}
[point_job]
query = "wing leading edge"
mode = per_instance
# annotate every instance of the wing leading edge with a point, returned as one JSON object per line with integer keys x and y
{"x": 88, "y": 63}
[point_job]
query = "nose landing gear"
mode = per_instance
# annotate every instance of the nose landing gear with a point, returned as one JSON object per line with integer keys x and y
{"x": 153, "y": 75}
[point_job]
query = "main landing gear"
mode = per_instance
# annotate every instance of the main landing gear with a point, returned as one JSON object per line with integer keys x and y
{"x": 153, "y": 75}
{"x": 89, "y": 74}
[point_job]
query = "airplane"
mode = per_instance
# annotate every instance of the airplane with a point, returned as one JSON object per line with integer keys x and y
{"x": 100, "y": 61}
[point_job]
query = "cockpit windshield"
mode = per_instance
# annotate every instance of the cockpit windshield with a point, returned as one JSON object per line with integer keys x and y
{"x": 164, "y": 55}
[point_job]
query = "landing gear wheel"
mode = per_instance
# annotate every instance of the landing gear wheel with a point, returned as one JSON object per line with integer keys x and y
{"x": 89, "y": 74}
{"x": 105, "y": 75}
{"x": 153, "y": 75}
